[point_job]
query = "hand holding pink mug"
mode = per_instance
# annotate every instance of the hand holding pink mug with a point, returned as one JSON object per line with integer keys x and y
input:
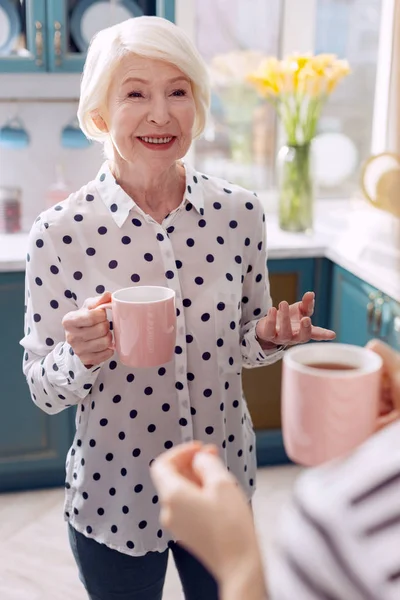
{"x": 144, "y": 325}
{"x": 330, "y": 400}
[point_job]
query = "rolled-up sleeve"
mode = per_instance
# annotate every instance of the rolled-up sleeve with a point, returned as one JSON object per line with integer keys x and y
{"x": 55, "y": 375}
{"x": 256, "y": 300}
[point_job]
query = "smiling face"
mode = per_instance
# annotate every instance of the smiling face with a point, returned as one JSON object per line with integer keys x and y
{"x": 150, "y": 113}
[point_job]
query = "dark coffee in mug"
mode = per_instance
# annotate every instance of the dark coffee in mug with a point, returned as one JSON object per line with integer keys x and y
{"x": 331, "y": 366}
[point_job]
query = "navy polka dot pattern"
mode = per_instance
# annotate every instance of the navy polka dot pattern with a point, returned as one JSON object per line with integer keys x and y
{"x": 211, "y": 251}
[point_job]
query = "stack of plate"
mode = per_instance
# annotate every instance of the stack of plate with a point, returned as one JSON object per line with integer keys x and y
{"x": 90, "y": 16}
{"x": 10, "y": 26}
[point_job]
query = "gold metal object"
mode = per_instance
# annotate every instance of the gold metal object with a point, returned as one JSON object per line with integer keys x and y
{"x": 39, "y": 43}
{"x": 57, "y": 43}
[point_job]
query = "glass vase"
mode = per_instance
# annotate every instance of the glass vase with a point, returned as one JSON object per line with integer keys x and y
{"x": 296, "y": 188}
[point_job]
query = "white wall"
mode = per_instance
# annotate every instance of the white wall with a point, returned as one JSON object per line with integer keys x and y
{"x": 33, "y": 168}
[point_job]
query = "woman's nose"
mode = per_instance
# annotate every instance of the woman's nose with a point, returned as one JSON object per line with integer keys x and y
{"x": 159, "y": 112}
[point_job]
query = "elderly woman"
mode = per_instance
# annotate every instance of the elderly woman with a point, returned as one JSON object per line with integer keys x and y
{"x": 148, "y": 219}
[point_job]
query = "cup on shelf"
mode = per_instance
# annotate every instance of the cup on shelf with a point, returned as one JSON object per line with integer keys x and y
{"x": 73, "y": 137}
{"x": 13, "y": 134}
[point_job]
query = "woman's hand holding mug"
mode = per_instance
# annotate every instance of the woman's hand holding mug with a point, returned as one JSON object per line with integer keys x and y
{"x": 87, "y": 331}
{"x": 389, "y": 405}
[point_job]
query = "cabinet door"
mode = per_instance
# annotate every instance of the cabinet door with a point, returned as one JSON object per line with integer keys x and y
{"x": 289, "y": 280}
{"x": 33, "y": 445}
{"x": 23, "y": 40}
{"x": 71, "y": 23}
{"x": 352, "y": 309}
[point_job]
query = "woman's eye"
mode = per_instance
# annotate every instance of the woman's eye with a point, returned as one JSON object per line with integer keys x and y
{"x": 135, "y": 95}
{"x": 179, "y": 93}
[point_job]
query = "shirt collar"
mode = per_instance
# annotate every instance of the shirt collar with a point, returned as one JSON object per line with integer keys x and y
{"x": 194, "y": 188}
{"x": 114, "y": 197}
{"x": 120, "y": 204}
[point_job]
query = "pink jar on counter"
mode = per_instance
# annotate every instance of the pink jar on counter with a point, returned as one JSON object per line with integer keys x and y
{"x": 10, "y": 210}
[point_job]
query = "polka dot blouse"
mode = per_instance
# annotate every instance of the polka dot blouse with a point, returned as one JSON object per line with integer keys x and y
{"x": 211, "y": 251}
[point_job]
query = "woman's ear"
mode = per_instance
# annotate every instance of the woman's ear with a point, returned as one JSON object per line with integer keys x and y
{"x": 99, "y": 121}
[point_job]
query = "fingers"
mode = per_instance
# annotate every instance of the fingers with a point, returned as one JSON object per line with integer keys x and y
{"x": 391, "y": 358}
{"x": 83, "y": 318}
{"x": 87, "y": 330}
{"x": 387, "y": 420}
{"x": 304, "y": 333}
{"x": 320, "y": 334}
{"x": 307, "y": 304}
{"x": 266, "y": 327}
{"x": 91, "y": 303}
{"x": 96, "y": 332}
{"x": 90, "y": 339}
{"x": 171, "y": 471}
{"x": 181, "y": 456}
{"x": 210, "y": 469}
{"x": 308, "y": 332}
{"x": 285, "y": 332}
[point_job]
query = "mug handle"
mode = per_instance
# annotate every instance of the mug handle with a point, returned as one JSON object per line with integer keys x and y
{"x": 105, "y": 306}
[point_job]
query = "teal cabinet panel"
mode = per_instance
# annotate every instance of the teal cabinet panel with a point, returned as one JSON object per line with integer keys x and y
{"x": 293, "y": 277}
{"x": 360, "y": 312}
{"x": 33, "y": 445}
{"x": 26, "y": 53}
{"x": 45, "y": 41}
{"x": 350, "y": 307}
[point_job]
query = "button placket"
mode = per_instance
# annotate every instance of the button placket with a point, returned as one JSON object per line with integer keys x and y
{"x": 173, "y": 282}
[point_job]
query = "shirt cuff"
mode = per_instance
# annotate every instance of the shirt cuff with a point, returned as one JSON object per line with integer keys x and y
{"x": 277, "y": 348}
{"x": 64, "y": 368}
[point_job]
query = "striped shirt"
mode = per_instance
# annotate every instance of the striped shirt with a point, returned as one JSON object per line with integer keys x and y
{"x": 339, "y": 539}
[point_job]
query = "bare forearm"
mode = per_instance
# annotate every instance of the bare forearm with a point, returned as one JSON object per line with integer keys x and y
{"x": 246, "y": 582}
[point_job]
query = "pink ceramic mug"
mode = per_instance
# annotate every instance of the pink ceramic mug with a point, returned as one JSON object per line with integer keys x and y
{"x": 144, "y": 325}
{"x": 330, "y": 408}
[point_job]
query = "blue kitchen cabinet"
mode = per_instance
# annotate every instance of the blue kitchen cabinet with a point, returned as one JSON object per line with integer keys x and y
{"x": 51, "y": 35}
{"x": 23, "y": 47}
{"x": 289, "y": 280}
{"x": 360, "y": 312}
{"x": 33, "y": 445}
{"x": 67, "y": 21}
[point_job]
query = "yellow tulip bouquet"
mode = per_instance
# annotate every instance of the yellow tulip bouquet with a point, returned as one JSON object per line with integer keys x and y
{"x": 298, "y": 87}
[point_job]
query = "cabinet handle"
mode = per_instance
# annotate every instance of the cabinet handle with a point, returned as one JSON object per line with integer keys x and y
{"x": 39, "y": 43}
{"x": 378, "y": 315}
{"x": 397, "y": 324}
{"x": 57, "y": 43}
{"x": 378, "y": 321}
{"x": 370, "y": 314}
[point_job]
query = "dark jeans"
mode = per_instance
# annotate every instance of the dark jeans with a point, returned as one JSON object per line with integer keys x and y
{"x": 111, "y": 575}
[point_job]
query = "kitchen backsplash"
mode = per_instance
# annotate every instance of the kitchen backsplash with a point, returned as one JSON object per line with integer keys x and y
{"x": 33, "y": 169}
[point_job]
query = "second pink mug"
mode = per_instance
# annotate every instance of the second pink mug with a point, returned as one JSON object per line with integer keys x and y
{"x": 330, "y": 400}
{"x": 144, "y": 325}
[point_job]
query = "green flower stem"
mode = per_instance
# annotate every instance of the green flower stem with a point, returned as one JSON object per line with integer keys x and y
{"x": 296, "y": 193}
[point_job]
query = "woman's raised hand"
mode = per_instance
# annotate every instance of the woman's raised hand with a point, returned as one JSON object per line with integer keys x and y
{"x": 291, "y": 324}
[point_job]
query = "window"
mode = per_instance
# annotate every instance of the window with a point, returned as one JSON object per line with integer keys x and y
{"x": 350, "y": 29}
{"x": 241, "y": 140}
{"x": 239, "y": 143}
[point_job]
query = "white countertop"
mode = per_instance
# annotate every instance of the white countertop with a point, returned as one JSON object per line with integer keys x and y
{"x": 357, "y": 237}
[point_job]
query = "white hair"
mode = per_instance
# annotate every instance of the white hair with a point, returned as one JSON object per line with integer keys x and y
{"x": 149, "y": 37}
